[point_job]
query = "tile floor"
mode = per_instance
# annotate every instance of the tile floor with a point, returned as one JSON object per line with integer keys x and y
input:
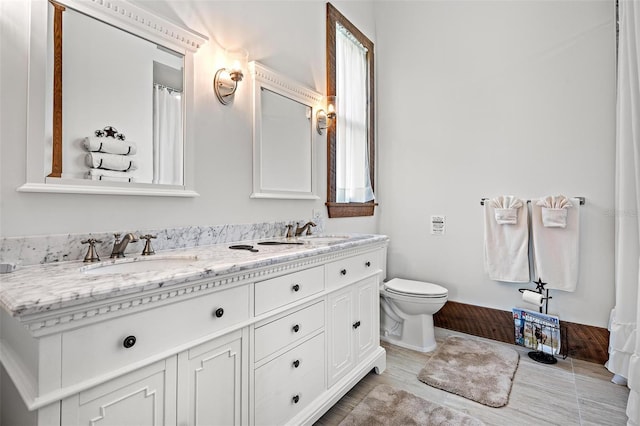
{"x": 571, "y": 392}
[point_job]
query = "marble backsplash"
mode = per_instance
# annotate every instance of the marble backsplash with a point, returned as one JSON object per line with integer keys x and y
{"x": 40, "y": 249}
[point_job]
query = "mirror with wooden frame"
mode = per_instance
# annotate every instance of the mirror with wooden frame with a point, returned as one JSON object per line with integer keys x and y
{"x": 118, "y": 92}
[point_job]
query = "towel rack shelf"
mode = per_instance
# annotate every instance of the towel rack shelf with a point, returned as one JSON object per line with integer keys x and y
{"x": 581, "y": 199}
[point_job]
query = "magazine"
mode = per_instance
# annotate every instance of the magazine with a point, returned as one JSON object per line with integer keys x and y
{"x": 537, "y": 331}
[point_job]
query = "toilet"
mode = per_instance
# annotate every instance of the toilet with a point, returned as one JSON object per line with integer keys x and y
{"x": 406, "y": 313}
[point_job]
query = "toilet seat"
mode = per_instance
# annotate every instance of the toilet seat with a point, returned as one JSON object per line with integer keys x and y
{"x": 412, "y": 288}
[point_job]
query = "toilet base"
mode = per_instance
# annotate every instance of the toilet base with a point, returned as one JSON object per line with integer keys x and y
{"x": 418, "y": 334}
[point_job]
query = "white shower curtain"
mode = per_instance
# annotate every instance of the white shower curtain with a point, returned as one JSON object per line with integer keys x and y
{"x": 624, "y": 346}
{"x": 353, "y": 184}
{"x": 167, "y": 136}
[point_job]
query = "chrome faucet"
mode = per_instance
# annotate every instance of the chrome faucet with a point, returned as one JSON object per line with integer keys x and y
{"x": 307, "y": 227}
{"x": 120, "y": 246}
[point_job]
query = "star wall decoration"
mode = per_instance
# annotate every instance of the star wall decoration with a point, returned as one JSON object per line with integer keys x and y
{"x": 109, "y": 132}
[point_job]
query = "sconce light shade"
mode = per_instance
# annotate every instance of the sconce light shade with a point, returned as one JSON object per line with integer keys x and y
{"x": 325, "y": 119}
{"x": 225, "y": 82}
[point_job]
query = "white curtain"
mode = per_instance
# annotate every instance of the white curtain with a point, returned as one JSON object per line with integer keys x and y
{"x": 167, "y": 136}
{"x": 624, "y": 346}
{"x": 353, "y": 183}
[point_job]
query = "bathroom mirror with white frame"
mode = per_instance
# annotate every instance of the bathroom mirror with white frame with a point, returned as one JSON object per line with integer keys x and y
{"x": 115, "y": 60}
{"x": 284, "y": 133}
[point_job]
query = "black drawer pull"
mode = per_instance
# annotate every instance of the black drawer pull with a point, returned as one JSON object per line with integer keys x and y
{"x": 129, "y": 341}
{"x": 219, "y": 312}
{"x": 296, "y": 363}
{"x": 367, "y": 264}
{"x": 343, "y": 272}
{"x": 296, "y": 398}
{"x": 356, "y": 324}
{"x": 296, "y": 287}
{"x": 296, "y": 328}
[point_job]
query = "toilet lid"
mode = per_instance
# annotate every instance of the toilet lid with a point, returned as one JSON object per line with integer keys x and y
{"x": 417, "y": 288}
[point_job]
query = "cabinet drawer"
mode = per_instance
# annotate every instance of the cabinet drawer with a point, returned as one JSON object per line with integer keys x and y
{"x": 352, "y": 269}
{"x": 284, "y": 386}
{"x": 280, "y": 291}
{"x": 289, "y": 329}
{"x": 100, "y": 347}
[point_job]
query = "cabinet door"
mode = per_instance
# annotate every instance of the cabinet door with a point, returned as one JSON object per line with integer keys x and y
{"x": 340, "y": 334}
{"x": 211, "y": 385}
{"x": 144, "y": 397}
{"x": 366, "y": 300}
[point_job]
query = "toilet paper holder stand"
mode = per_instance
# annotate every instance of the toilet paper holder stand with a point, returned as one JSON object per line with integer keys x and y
{"x": 540, "y": 289}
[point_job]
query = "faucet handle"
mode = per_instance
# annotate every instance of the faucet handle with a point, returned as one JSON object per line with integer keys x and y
{"x": 117, "y": 236}
{"x": 289, "y": 231}
{"x": 92, "y": 255}
{"x": 148, "y": 250}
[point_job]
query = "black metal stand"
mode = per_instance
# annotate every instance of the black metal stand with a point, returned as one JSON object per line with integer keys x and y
{"x": 541, "y": 356}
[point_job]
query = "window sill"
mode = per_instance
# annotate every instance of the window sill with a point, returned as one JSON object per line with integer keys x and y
{"x": 350, "y": 209}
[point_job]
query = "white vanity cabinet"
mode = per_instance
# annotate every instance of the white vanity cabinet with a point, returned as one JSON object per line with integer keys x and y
{"x": 353, "y": 326}
{"x": 276, "y": 344}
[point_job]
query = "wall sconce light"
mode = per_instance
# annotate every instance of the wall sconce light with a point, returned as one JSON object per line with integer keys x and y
{"x": 226, "y": 80}
{"x": 325, "y": 119}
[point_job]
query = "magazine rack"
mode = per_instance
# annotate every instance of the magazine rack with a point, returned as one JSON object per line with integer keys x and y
{"x": 542, "y": 331}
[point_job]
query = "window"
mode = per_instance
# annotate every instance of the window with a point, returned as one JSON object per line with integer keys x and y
{"x": 350, "y": 141}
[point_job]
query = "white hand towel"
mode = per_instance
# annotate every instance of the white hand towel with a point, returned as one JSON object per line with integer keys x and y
{"x": 506, "y": 209}
{"x": 121, "y": 163}
{"x": 554, "y": 211}
{"x": 556, "y": 248}
{"x": 506, "y": 245}
{"x": 109, "y": 146}
{"x": 110, "y": 175}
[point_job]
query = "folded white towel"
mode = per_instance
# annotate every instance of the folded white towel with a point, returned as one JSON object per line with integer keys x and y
{"x": 109, "y": 146}
{"x": 506, "y": 209}
{"x": 506, "y": 242}
{"x": 554, "y": 211}
{"x": 556, "y": 248}
{"x": 110, "y": 175}
{"x": 98, "y": 160}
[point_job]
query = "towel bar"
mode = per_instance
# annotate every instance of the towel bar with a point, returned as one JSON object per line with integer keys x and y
{"x": 581, "y": 199}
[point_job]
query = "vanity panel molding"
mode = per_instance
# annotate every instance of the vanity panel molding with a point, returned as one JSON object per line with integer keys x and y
{"x": 202, "y": 353}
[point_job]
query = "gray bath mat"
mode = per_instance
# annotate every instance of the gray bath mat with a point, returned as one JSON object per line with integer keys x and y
{"x": 388, "y": 406}
{"x": 479, "y": 371}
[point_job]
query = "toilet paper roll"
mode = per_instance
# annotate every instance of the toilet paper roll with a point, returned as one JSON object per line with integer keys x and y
{"x": 532, "y": 297}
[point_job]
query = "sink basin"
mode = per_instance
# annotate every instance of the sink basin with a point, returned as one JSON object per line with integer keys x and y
{"x": 324, "y": 239}
{"x": 154, "y": 264}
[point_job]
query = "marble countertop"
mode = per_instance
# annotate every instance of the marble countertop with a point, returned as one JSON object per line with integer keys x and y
{"x": 48, "y": 287}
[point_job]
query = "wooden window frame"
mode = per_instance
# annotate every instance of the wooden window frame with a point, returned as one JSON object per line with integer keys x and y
{"x": 334, "y": 208}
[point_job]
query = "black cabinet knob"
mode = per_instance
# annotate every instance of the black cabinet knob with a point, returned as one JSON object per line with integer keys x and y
{"x": 356, "y": 324}
{"x": 367, "y": 264}
{"x": 129, "y": 341}
{"x": 295, "y": 399}
{"x": 296, "y": 328}
{"x": 343, "y": 272}
{"x": 219, "y": 312}
{"x": 296, "y": 363}
{"x": 296, "y": 287}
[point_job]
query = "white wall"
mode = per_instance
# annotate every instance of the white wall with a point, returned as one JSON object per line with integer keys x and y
{"x": 284, "y": 35}
{"x": 474, "y": 99}
{"x": 482, "y": 98}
